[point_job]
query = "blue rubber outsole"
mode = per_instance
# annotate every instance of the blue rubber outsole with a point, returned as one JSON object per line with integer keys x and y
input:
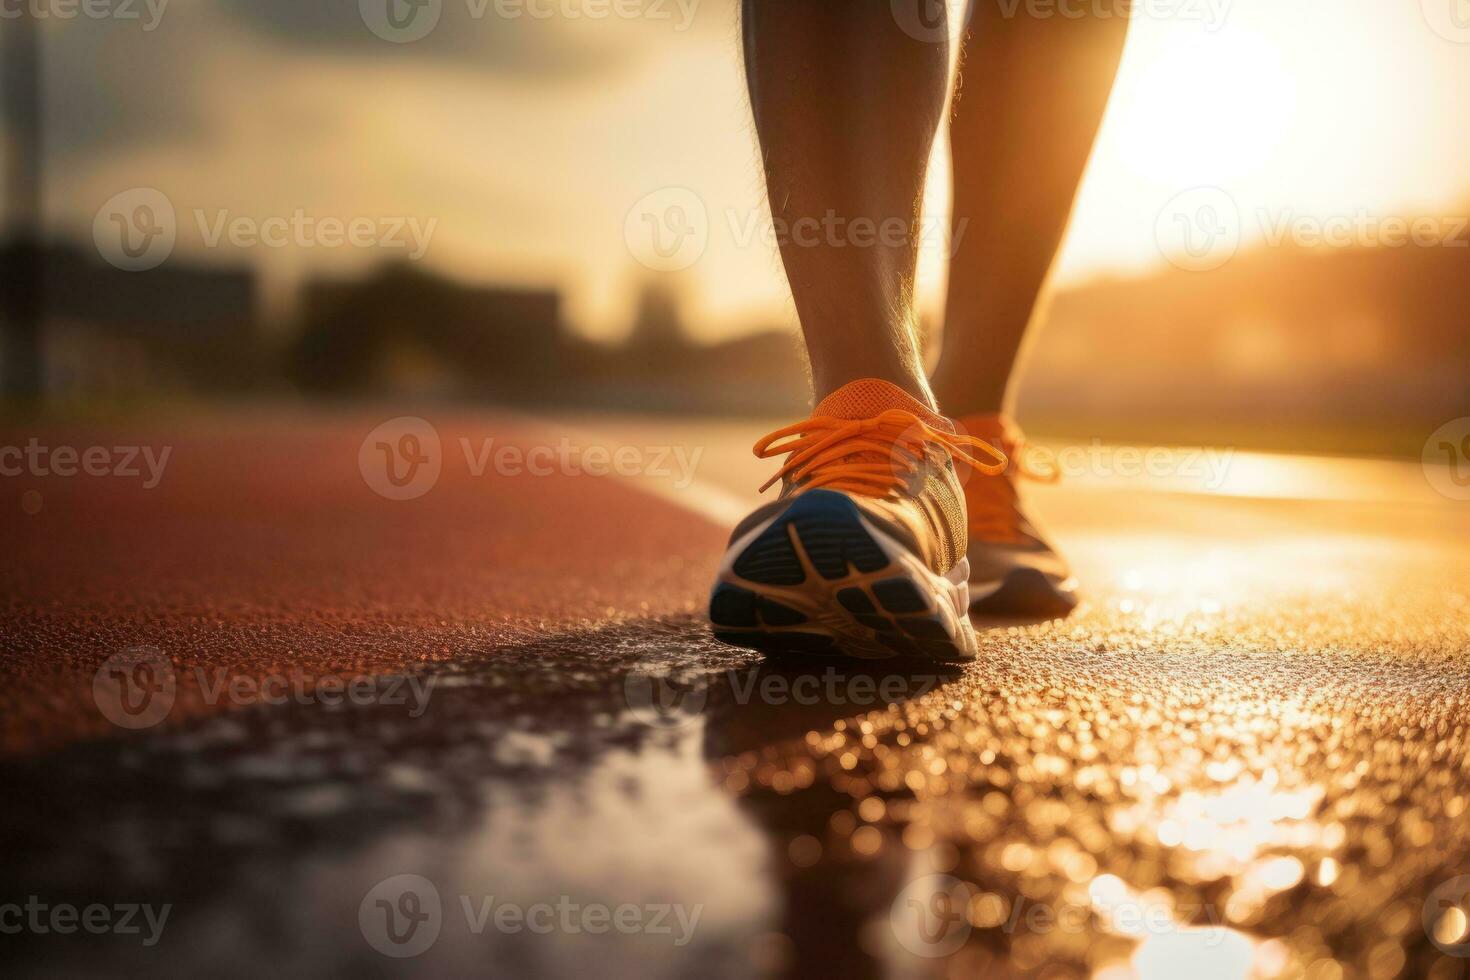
{"x": 870, "y": 605}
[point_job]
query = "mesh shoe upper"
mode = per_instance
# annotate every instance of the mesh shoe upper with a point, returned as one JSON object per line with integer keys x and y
{"x": 893, "y": 455}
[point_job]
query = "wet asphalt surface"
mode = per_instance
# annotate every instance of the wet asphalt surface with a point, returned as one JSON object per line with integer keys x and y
{"x": 1244, "y": 755}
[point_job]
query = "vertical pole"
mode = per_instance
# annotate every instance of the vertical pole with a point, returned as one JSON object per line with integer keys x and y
{"x": 20, "y": 277}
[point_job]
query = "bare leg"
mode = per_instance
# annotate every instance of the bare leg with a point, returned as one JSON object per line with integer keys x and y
{"x": 1031, "y": 95}
{"x": 846, "y": 106}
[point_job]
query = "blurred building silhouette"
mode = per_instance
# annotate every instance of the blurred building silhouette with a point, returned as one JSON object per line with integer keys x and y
{"x": 1341, "y": 348}
{"x": 1352, "y": 349}
{"x": 659, "y": 368}
{"x": 403, "y": 330}
{"x": 176, "y": 328}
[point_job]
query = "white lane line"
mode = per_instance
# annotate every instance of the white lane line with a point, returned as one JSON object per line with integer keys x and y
{"x": 1231, "y": 474}
{"x": 709, "y": 500}
{"x": 704, "y": 498}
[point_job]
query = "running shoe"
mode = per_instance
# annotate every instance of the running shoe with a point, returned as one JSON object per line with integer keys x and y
{"x": 1015, "y": 570}
{"x": 863, "y": 552}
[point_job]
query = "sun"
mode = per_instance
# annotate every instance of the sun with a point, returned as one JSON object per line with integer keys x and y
{"x": 1192, "y": 107}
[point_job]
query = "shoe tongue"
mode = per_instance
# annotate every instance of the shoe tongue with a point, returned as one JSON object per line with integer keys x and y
{"x": 870, "y": 397}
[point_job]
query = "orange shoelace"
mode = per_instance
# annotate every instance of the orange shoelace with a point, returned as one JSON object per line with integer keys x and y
{"x": 993, "y": 505}
{"x": 872, "y": 457}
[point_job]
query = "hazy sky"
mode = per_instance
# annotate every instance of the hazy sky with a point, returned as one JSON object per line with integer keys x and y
{"x": 529, "y": 139}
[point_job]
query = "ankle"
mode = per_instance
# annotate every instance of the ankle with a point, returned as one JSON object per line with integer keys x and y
{"x": 911, "y": 382}
{"x": 968, "y": 395}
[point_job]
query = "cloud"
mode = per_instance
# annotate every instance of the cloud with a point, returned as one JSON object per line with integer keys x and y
{"x": 533, "y": 49}
{"x": 112, "y": 85}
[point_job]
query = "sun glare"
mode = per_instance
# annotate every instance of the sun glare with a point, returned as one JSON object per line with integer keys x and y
{"x": 1194, "y": 108}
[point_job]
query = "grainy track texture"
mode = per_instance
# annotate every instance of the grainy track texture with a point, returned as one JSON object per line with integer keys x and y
{"x": 1244, "y": 755}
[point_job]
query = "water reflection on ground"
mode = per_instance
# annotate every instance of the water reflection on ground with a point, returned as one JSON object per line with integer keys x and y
{"x": 1245, "y": 755}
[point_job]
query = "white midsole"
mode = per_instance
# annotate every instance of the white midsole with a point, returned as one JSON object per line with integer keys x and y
{"x": 813, "y": 597}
